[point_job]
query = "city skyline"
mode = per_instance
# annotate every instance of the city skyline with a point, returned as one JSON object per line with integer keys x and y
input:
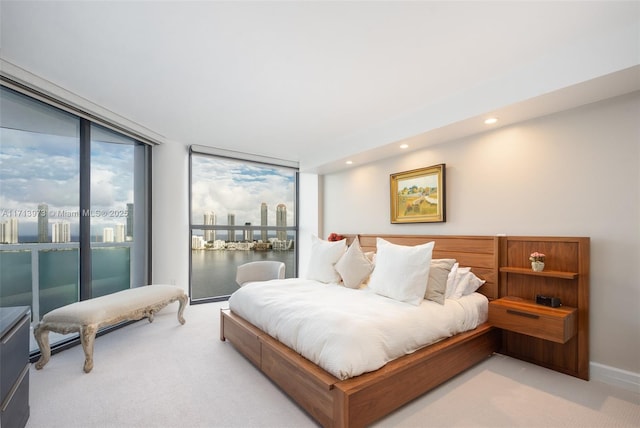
{"x": 60, "y": 229}
{"x": 226, "y": 187}
{"x": 39, "y": 168}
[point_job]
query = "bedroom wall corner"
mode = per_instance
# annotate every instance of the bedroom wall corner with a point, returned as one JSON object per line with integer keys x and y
{"x": 310, "y": 206}
{"x": 170, "y": 216}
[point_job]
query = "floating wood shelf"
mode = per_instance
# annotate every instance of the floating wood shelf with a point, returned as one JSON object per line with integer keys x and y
{"x": 546, "y": 273}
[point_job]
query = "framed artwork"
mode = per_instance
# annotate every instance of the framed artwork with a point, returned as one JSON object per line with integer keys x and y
{"x": 418, "y": 196}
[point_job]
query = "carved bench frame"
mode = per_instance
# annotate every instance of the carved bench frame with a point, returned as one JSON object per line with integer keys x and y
{"x": 62, "y": 321}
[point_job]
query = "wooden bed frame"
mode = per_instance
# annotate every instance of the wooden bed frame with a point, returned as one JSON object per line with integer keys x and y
{"x": 361, "y": 400}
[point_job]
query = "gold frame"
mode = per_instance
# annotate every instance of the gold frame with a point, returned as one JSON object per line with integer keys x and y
{"x": 415, "y": 206}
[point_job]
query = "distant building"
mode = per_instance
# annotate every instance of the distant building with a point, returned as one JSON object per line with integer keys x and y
{"x": 120, "y": 233}
{"x": 107, "y": 234}
{"x": 210, "y": 219}
{"x": 264, "y": 221}
{"x": 43, "y": 223}
{"x": 248, "y": 233}
{"x": 231, "y": 233}
{"x": 197, "y": 242}
{"x": 61, "y": 232}
{"x": 281, "y": 221}
{"x": 9, "y": 231}
{"x": 130, "y": 221}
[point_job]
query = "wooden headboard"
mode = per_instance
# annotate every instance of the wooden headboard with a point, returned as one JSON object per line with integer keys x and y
{"x": 478, "y": 252}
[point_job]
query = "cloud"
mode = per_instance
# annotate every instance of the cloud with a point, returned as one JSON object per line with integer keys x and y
{"x": 234, "y": 187}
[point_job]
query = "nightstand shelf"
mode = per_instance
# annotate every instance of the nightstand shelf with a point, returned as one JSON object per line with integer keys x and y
{"x": 556, "y": 338}
{"x": 544, "y": 273}
{"x": 526, "y": 317}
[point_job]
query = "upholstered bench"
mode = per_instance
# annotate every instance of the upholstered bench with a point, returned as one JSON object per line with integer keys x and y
{"x": 87, "y": 316}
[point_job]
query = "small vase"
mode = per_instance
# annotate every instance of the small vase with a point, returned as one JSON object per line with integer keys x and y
{"x": 537, "y": 266}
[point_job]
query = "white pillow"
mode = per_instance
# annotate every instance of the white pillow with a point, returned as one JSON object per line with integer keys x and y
{"x": 401, "y": 272}
{"x": 466, "y": 283}
{"x": 354, "y": 267}
{"x": 451, "y": 281}
{"x": 324, "y": 256}
{"x": 473, "y": 284}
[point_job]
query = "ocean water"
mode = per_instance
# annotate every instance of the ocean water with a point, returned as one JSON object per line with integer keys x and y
{"x": 58, "y": 276}
{"x": 213, "y": 272}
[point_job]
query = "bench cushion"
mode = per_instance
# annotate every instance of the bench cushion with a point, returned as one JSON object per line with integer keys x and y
{"x": 100, "y": 309}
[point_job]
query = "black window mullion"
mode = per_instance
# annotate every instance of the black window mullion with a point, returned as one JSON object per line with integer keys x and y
{"x": 85, "y": 209}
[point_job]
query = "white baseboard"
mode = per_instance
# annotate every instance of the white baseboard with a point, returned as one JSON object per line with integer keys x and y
{"x": 616, "y": 377}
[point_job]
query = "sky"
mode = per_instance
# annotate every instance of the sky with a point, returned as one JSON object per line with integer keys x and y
{"x": 39, "y": 168}
{"x": 227, "y": 186}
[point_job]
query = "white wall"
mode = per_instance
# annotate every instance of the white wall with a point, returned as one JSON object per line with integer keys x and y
{"x": 309, "y": 218}
{"x": 170, "y": 215}
{"x": 576, "y": 173}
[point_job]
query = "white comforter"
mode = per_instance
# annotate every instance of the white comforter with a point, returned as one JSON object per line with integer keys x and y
{"x": 349, "y": 332}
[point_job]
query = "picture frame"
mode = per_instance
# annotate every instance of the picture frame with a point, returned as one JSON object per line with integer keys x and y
{"x": 418, "y": 196}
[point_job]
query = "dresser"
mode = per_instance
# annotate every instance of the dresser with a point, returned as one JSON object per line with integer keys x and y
{"x": 14, "y": 366}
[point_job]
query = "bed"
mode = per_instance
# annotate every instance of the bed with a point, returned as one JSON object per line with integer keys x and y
{"x": 334, "y": 398}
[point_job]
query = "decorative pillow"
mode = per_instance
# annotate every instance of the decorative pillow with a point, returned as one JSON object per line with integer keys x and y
{"x": 451, "y": 281}
{"x": 401, "y": 272}
{"x": 324, "y": 256}
{"x": 473, "y": 284}
{"x": 466, "y": 283}
{"x": 437, "y": 284}
{"x": 354, "y": 267}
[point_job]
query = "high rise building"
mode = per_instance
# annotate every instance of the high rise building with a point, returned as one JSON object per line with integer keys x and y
{"x": 197, "y": 242}
{"x": 61, "y": 232}
{"x": 107, "y": 234}
{"x": 231, "y": 233}
{"x": 43, "y": 223}
{"x": 9, "y": 231}
{"x": 130, "y": 221}
{"x": 210, "y": 219}
{"x": 264, "y": 221}
{"x": 248, "y": 233}
{"x": 281, "y": 221}
{"x": 120, "y": 233}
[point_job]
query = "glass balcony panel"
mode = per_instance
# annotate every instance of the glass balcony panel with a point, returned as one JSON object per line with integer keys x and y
{"x": 58, "y": 278}
{"x": 111, "y": 270}
{"x": 15, "y": 277}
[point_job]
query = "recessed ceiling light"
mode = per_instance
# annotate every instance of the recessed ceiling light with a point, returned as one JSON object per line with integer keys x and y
{"x": 349, "y": 162}
{"x": 491, "y": 121}
{"x": 404, "y": 146}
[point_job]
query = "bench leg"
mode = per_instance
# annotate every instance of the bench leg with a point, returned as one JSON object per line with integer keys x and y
{"x": 42, "y": 337}
{"x": 87, "y": 338}
{"x": 183, "y": 303}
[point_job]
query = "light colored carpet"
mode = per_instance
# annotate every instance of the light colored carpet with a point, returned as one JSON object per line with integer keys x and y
{"x": 164, "y": 374}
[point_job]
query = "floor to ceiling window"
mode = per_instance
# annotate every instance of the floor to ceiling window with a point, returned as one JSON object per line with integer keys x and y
{"x": 73, "y": 208}
{"x": 241, "y": 211}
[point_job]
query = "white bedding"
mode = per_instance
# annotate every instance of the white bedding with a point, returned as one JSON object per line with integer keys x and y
{"x": 349, "y": 331}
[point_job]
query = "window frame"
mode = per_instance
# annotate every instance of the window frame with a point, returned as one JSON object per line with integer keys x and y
{"x": 249, "y": 159}
{"x": 86, "y": 120}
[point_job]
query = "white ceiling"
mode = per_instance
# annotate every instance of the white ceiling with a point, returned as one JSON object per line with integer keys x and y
{"x": 323, "y": 82}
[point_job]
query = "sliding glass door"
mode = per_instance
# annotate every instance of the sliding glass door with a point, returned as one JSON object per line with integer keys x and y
{"x": 73, "y": 208}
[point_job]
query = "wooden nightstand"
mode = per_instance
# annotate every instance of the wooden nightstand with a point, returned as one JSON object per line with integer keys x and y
{"x": 526, "y": 317}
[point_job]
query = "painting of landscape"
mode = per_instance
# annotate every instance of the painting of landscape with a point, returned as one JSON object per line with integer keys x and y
{"x": 417, "y": 196}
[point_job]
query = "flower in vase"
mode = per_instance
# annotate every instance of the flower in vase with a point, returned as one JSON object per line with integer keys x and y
{"x": 537, "y": 257}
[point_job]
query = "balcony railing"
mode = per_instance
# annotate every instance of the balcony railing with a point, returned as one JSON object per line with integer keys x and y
{"x": 45, "y": 276}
